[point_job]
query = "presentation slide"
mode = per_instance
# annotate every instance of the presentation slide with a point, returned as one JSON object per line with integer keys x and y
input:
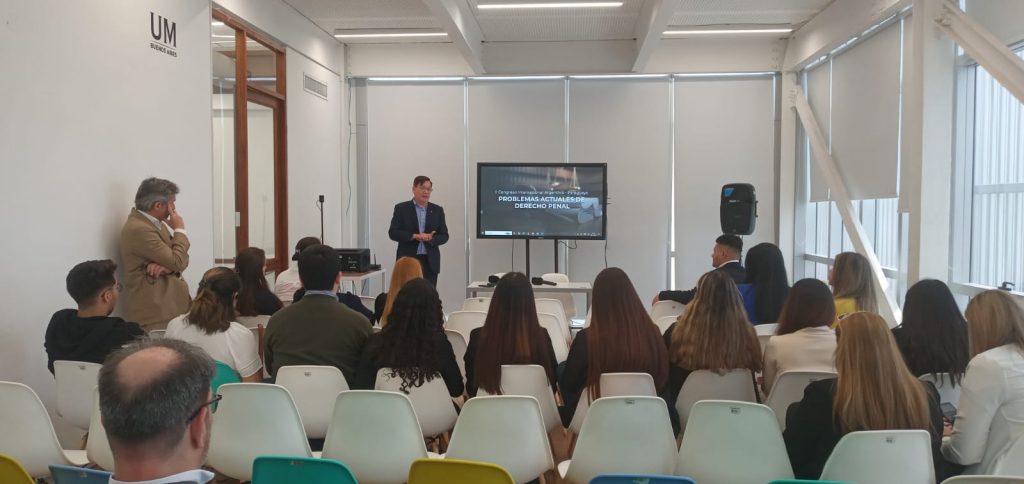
{"x": 541, "y": 201}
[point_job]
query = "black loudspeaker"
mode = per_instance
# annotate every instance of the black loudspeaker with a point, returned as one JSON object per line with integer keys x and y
{"x": 738, "y": 211}
{"x": 354, "y": 260}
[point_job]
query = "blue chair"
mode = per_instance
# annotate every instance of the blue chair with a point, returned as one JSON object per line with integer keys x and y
{"x": 277, "y": 470}
{"x": 640, "y": 479}
{"x": 78, "y": 475}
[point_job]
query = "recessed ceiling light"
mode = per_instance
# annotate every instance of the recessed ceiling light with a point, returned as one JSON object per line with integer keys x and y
{"x": 726, "y": 31}
{"x": 510, "y": 5}
{"x": 393, "y": 35}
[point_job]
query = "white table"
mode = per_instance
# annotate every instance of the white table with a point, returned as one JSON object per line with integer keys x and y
{"x": 356, "y": 278}
{"x": 476, "y": 287}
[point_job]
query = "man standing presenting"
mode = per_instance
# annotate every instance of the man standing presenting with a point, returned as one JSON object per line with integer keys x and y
{"x": 418, "y": 227}
{"x": 154, "y": 253}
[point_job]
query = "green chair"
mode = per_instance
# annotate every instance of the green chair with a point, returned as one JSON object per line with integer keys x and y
{"x": 284, "y": 470}
{"x": 223, "y": 374}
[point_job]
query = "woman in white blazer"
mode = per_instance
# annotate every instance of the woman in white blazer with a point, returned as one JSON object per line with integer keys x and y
{"x": 990, "y": 416}
{"x": 804, "y": 340}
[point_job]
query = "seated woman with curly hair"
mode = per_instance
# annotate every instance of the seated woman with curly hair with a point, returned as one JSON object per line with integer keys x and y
{"x": 413, "y": 343}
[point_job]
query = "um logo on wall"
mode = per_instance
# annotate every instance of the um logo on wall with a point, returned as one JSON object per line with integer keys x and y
{"x": 164, "y": 33}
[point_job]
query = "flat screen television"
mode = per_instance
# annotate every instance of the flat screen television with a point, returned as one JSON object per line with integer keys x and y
{"x": 541, "y": 201}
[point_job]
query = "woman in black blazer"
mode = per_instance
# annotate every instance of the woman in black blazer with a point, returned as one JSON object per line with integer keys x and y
{"x": 874, "y": 391}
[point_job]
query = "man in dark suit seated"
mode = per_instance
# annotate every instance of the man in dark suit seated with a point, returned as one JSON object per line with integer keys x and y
{"x": 418, "y": 227}
{"x": 725, "y": 257}
{"x": 318, "y": 330}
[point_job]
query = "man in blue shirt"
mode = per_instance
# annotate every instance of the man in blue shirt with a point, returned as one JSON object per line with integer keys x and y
{"x": 419, "y": 228}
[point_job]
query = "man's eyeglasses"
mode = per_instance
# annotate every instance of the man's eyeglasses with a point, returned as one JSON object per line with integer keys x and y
{"x": 201, "y": 407}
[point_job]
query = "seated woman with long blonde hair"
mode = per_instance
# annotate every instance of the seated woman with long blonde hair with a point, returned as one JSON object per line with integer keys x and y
{"x": 874, "y": 390}
{"x": 406, "y": 269}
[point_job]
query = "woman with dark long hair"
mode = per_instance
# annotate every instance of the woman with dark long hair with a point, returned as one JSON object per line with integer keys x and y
{"x": 766, "y": 272}
{"x": 255, "y": 297}
{"x": 933, "y": 335}
{"x": 210, "y": 324}
{"x": 621, "y": 338}
{"x": 511, "y": 335}
{"x": 804, "y": 340}
{"x": 413, "y": 343}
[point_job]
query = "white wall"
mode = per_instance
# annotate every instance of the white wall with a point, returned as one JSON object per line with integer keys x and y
{"x": 1003, "y": 18}
{"x": 88, "y": 114}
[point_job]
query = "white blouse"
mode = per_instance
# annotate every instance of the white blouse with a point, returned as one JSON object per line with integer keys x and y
{"x": 235, "y": 347}
{"x": 808, "y": 349}
{"x": 990, "y": 416}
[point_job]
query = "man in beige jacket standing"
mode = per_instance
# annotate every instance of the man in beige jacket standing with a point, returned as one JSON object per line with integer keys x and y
{"x": 154, "y": 253}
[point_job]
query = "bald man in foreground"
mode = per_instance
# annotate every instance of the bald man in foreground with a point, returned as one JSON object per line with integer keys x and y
{"x": 155, "y": 404}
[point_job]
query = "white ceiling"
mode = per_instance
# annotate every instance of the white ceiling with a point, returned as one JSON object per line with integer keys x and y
{"x": 546, "y": 25}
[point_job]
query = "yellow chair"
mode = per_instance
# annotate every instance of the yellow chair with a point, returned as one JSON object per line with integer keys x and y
{"x": 11, "y": 472}
{"x": 455, "y": 471}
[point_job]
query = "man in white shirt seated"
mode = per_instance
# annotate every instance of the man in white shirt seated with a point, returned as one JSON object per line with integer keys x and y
{"x": 288, "y": 282}
{"x": 155, "y": 403}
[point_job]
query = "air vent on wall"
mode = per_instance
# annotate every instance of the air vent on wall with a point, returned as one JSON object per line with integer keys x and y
{"x": 313, "y": 86}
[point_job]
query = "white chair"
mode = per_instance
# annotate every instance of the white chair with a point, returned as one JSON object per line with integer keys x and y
{"x": 984, "y": 480}
{"x": 735, "y": 385}
{"x": 531, "y": 381}
{"x": 75, "y": 383}
{"x": 97, "y": 447}
{"x": 1011, "y": 463}
{"x": 666, "y": 308}
{"x": 434, "y": 407}
{"x": 376, "y": 435}
{"x": 369, "y": 302}
{"x": 765, "y": 333}
{"x": 459, "y": 343}
{"x": 157, "y": 333}
{"x": 253, "y": 321}
{"x": 614, "y": 385}
{"x": 586, "y": 322}
{"x": 27, "y": 434}
{"x": 313, "y": 389}
{"x": 476, "y": 304}
{"x": 553, "y": 326}
{"x": 254, "y": 419}
{"x": 622, "y": 435}
{"x": 566, "y": 298}
{"x": 949, "y": 392}
{"x": 554, "y": 307}
{"x": 665, "y": 322}
{"x": 733, "y": 442}
{"x": 504, "y": 430}
{"x": 789, "y": 388}
{"x": 465, "y": 321}
{"x": 882, "y": 457}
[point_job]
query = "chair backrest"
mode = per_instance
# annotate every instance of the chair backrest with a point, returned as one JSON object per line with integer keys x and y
{"x": 614, "y": 385}
{"x": 532, "y": 381}
{"x": 313, "y": 389}
{"x": 376, "y": 434}
{"x": 75, "y": 381}
{"x": 11, "y": 472}
{"x": 27, "y": 435}
{"x": 1011, "y": 463}
{"x": 434, "y": 407}
{"x": 222, "y": 375}
{"x": 735, "y": 385}
{"x": 369, "y": 302}
{"x": 666, "y": 308}
{"x": 555, "y": 308}
{"x": 733, "y": 442}
{"x": 156, "y": 333}
{"x": 882, "y": 457}
{"x": 506, "y": 430}
{"x": 253, "y": 321}
{"x": 459, "y": 343}
{"x": 663, "y": 323}
{"x": 984, "y": 480}
{"x": 765, "y": 333}
{"x": 624, "y": 434}
{"x": 949, "y": 392}
{"x": 97, "y": 448}
{"x": 789, "y": 388}
{"x": 640, "y": 479}
{"x": 465, "y": 321}
{"x": 77, "y": 475}
{"x": 275, "y": 470}
{"x": 456, "y": 471}
{"x": 552, "y": 325}
{"x": 586, "y": 321}
{"x": 254, "y": 419}
{"x": 476, "y": 304}
{"x": 568, "y": 304}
